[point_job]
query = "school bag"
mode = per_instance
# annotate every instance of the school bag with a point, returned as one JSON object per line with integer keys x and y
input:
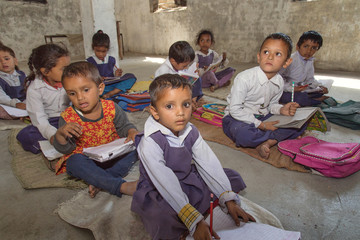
{"x": 336, "y": 160}
{"x": 132, "y": 102}
{"x": 211, "y": 113}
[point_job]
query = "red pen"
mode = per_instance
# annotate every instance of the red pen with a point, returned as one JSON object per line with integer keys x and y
{"x": 211, "y": 212}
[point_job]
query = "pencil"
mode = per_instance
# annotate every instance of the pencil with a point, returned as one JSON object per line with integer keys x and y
{"x": 292, "y": 91}
{"x": 211, "y": 212}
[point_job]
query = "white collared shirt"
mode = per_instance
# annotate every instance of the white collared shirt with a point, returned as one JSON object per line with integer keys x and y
{"x": 106, "y": 60}
{"x": 253, "y": 93}
{"x": 165, "y": 68}
{"x": 43, "y": 102}
{"x": 300, "y": 71}
{"x": 165, "y": 180}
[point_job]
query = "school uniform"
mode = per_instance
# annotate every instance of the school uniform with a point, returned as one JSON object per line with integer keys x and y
{"x": 167, "y": 67}
{"x": 254, "y": 98}
{"x": 211, "y": 78}
{"x": 301, "y": 72}
{"x": 111, "y": 125}
{"x": 44, "y": 103}
{"x": 173, "y": 194}
{"x": 12, "y": 88}
{"x": 107, "y": 68}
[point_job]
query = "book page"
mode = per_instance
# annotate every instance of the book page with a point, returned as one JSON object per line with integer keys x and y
{"x": 225, "y": 227}
{"x": 190, "y": 73}
{"x": 15, "y": 112}
{"x": 49, "y": 151}
{"x": 214, "y": 66}
{"x": 301, "y": 116}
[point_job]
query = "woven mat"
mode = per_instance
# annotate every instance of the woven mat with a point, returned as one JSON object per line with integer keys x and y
{"x": 277, "y": 159}
{"x": 11, "y": 124}
{"x": 110, "y": 217}
{"x": 32, "y": 172}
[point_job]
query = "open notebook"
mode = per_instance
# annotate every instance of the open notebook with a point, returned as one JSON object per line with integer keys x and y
{"x": 225, "y": 227}
{"x": 15, "y": 112}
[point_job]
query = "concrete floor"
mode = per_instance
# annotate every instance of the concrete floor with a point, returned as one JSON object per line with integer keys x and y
{"x": 318, "y": 207}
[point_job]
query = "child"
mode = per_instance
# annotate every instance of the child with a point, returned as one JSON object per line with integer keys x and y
{"x": 173, "y": 194}
{"x": 255, "y": 95}
{"x": 307, "y": 91}
{"x": 45, "y": 96}
{"x": 108, "y": 66}
{"x": 206, "y": 57}
{"x": 91, "y": 122}
{"x": 11, "y": 80}
{"x": 181, "y": 56}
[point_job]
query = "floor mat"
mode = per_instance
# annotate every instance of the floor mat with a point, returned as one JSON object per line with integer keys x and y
{"x": 11, "y": 124}
{"x": 110, "y": 217}
{"x": 32, "y": 172}
{"x": 277, "y": 159}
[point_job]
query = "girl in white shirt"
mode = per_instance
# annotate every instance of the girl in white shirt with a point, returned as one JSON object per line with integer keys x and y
{"x": 46, "y": 98}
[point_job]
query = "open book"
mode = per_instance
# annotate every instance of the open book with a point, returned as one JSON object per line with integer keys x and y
{"x": 301, "y": 116}
{"x": 111, "y": 80}
{"x": 15, "y": 112}
{"x": 214, "y": 66}
{"x": 225, "y": 227}
{"x": 110, "y": 150}
{"x": 49, "y": 150}
{"x": 190, "y": 74}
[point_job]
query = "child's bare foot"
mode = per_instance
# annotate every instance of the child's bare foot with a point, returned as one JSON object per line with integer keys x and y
{"x": 214, "y": 87}
{"x": 128, "y": 188}
{"x": 264, "y": 148}
{"x": 93, "y": 191}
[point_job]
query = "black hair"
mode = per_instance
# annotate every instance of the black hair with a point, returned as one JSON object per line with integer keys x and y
{"x": 311, "y": 35}
{"x": 45, "y": 56}
{"x": 204, "y": 32}
{"x": 181, "y": 51}
{"x": 4, "y": 48}
{"x": 164, "y": 81}
{"x": 84, "y": 69}
{"x": 282, "y": 36}
{"x": 100, "y": 39}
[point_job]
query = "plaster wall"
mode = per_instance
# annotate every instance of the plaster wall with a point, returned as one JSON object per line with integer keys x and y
{"x": 241, "y": 26}
{"x": 23, "y": 25}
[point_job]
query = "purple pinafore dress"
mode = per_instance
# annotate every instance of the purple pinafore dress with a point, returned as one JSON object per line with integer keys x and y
{"x": 159, "y": 218}
{"x": 210, "y": 78}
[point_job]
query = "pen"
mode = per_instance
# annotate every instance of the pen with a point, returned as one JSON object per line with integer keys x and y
{"x": 292, "y": 91}
{"x": 211, "y": 212}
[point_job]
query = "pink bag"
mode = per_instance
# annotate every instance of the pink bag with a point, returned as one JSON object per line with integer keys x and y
{"x": 331, "y": 159}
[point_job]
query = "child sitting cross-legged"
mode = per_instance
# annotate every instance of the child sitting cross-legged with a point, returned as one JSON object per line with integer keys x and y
{"x": 254, "y": 97}
{"x": 91, "y": 122}
{"x": 173, "y": 194}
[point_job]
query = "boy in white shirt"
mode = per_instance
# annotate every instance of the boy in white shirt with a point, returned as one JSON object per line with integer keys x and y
{"x": 255, "y": 97}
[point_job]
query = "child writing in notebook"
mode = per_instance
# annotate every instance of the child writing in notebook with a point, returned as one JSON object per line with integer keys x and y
{"x": 91, "y": 122}
{"x": 205, "y": 57}
{"x": 45, "y": 96}
{"x": 181, "y": 57}
{"x": 255, "y": 95}
{"x": 307, "y": 90}
{"x": 173, "y": 194}
{"x": 108, "y": 66}
{"x": 12, "y": 80}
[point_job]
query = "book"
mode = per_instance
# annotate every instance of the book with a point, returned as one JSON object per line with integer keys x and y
{"x": 15, "y": 112}
{"x": 106, "y": 152}
{"x": 225, "y": 227}
{"x": 190, "y": 73}
{"x": 214, "y": 66}
{"x": 49, "y": 151}
{"x": 111, "y": 80}
{"x": 301, "y": 116}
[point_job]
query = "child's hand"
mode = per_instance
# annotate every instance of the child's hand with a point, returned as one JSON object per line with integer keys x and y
{"x": 289, "y": 109}
{"x": 324, "y": 90}
{"x": 300, "y": 88}
{"x": 238, "y": 213}
{"x": 265, "y": 126}
{"x": 205, "y": 67}
{"x": 202, "y": 232}
{"x": 69, "y": 130}
{"x": 224, "y": 56}
{"x": 118, "y": 72}
{"x": 131, "y": 135}
{"x": 21, "y": 105}
{"x": 105, "y": 96}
